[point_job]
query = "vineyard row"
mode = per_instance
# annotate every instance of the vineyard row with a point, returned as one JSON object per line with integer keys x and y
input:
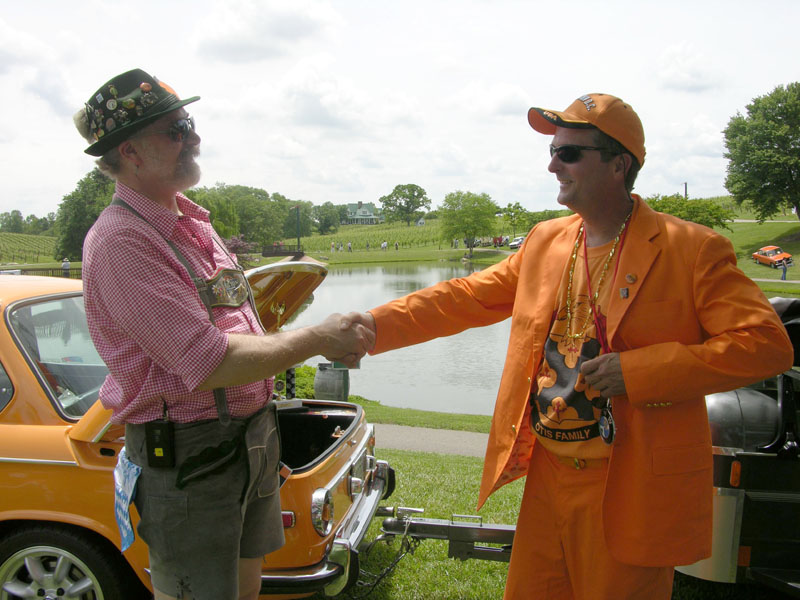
{"x": 22, "y": 248}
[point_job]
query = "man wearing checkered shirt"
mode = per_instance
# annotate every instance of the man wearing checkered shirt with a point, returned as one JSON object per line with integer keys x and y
{"x": 188, "y": 372}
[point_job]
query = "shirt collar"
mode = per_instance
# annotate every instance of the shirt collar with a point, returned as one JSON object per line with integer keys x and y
{"x": 163, "y": 219}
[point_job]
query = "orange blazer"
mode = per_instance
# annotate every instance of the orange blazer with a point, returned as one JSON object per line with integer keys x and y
{"x": 686, "y": 322}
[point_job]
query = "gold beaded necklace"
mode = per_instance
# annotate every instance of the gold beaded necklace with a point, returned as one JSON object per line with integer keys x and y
{"x": 574, "y": 337}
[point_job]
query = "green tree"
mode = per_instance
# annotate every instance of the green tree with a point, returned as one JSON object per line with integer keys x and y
{"x": 532, "y": 218}
{"x": 405, "y": 203}
{"x": 259, "y": 219}
{"x": 326, "y": 218}
{"x": 342, "y": 208}
{"x": 290, "y": 223}
{"x": 763, "y": 152}
{"x": 515, "y": 215}
{"x": 705, "y": 212}
{"x": 78, "y": 211}
{"x": 11, "y": 222}
{"x": 38, "y": 225}
{"x": 465, "y": 215}
{"x": 222, "y": 211}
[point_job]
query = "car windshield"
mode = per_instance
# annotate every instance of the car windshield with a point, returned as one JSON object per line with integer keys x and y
{"x": 774, "y": 252}
{"x": 56, "y": 339}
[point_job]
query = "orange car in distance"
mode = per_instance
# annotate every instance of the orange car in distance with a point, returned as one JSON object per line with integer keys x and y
{"x": 772, "y": 256}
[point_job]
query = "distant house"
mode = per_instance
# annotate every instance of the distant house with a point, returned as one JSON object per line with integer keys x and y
{"x": 363, "y": 214}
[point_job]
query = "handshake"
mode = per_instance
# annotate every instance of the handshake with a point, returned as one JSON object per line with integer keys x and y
{"x": 346, "y": 338}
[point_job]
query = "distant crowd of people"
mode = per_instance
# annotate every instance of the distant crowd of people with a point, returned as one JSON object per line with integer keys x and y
{"x": 340, "y": 247}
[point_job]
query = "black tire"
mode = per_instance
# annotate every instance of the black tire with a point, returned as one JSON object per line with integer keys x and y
{"x": 56, "y": 561}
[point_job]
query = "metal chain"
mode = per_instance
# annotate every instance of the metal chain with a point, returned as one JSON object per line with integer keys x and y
{"x": 408, "y": 545}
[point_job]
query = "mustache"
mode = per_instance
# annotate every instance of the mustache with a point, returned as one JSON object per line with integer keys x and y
{"x": 189, "y": 152}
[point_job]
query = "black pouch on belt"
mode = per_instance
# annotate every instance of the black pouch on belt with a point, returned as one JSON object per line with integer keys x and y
{"x": 209, "y": 461}
{"x": 160, "y": 442}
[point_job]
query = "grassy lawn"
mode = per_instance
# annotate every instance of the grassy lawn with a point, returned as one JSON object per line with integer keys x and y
{"x": 427, "y": 253}
{"x": 380, "y": 413}
{"x": 749, "y": 237}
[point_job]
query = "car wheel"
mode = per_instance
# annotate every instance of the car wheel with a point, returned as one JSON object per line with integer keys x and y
{"x": 59, "y": 562}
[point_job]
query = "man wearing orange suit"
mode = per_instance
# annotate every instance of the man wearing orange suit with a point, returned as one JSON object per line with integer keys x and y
{"x": 623, "y": 319}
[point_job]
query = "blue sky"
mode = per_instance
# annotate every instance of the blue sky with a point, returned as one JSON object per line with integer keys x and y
{"x": 341, "y": 101}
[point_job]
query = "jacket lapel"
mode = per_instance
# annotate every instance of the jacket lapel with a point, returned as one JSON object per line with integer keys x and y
{"x": 556, "y": 260}
{"x": 639, "y": 252}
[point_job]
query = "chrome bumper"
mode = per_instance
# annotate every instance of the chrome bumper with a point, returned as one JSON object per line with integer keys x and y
{"x": 339, "y": 570}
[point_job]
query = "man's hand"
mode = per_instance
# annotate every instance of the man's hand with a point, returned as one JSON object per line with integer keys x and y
{"x": 604, "y": 374}
{"x": 365, "y": 319}
{"x": 345, "y": 338}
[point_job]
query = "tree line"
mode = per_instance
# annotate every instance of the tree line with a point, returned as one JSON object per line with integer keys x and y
{"x": 13, "y": 222}
{"x": 250, "y": 219}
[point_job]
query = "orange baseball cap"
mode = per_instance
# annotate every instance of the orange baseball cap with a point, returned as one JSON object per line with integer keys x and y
{"x": 607, "y": 113}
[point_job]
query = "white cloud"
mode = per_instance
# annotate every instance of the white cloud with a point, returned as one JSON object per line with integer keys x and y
{"x": 490, "y": 100}
{"x": 286, "y": 147}
{"x": 684, "y": 68}
{"x": 246, "y": 31}
{"x": 448, "y": 159}
{"x": 19, "y": 49}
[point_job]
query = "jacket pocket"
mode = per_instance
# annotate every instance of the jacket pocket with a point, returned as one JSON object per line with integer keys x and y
{"x": 681, "y": 459}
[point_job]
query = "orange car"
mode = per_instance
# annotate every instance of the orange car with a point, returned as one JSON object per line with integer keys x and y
{"x": 772, "y": 256}
{"x": 58, "y": 534}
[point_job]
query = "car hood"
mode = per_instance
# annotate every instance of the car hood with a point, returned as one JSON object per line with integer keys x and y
{"x": 279, "y": 290}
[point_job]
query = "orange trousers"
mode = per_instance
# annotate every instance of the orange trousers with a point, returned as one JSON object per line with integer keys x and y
{"x": 559, "y": 550}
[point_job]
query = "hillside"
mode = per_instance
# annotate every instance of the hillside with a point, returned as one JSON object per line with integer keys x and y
{"x": 22, "y": 248}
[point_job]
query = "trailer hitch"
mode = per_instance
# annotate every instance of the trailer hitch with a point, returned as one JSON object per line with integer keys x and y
{"x": 467, "y": 535}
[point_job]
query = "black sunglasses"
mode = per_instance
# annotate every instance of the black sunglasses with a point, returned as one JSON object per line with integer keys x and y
{"x": 571, "y": 153}
{"x": 179, "y": 130}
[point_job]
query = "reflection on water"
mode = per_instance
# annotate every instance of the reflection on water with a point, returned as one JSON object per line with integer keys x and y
{"x": 459, "y": 374}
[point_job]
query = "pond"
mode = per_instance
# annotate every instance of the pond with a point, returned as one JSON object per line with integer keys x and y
{"x": 457, "y": 374}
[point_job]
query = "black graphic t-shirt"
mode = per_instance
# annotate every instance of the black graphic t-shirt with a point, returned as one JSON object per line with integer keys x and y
{"x": 563, "y": 416}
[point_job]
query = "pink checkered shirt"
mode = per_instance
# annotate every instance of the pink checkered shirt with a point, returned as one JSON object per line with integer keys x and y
{"x": 146, "y": 317}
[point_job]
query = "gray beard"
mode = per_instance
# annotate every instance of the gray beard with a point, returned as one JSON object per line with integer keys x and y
{"x": 187, "y": 171}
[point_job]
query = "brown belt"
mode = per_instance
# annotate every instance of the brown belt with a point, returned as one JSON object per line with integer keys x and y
{"x": 580, "y": 463}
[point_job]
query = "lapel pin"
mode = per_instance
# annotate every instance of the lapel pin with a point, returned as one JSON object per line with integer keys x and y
{"x": 623, "y": 293}
{"x": 630, "y": 278}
